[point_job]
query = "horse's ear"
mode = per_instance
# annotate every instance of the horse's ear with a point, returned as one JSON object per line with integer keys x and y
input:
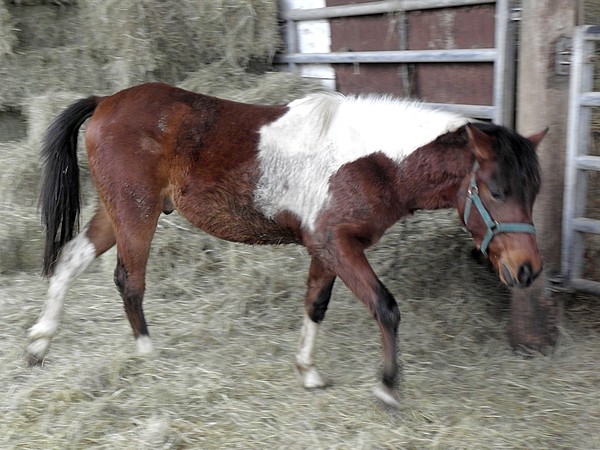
{"x": 537, "y": 138}
{"x": 482, "y": 144}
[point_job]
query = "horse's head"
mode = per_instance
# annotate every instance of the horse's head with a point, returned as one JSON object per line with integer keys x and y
{"x": 496, "y": 201}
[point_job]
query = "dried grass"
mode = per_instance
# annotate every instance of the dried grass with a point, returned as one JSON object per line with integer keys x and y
{"x": 8, "y": 38}
{"x": 21, "y": 238}
{"x": 20, "y": 233}
{"x": 109, "y": 45}
{"x": 37, "y": 72}
{"x": 225, "y": 81}
{"x": 117, "y": 43}
{"x": 225, "y": 320}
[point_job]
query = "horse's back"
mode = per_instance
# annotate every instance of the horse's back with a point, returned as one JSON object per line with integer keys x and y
{"x": 185, "y": 124}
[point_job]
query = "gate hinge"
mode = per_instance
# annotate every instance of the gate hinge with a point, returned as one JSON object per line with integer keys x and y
{"x": 563, "y": 51}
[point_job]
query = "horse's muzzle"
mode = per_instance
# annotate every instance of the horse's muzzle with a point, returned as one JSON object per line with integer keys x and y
{"x": 524, "y": 277}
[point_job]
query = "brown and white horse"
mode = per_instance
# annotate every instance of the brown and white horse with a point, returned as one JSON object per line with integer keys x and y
{"x": 327, "y": 172}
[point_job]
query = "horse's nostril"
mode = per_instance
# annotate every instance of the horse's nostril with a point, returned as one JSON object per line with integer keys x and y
{"x": 508, "y": 278}
{"x": 525, "y": 274}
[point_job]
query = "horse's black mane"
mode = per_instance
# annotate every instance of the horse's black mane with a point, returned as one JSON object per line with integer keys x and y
{"x": 519, "y": 171}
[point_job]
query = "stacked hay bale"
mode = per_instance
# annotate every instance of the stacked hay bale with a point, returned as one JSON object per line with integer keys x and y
{"x": 106, "y": 46}
{"x": 52, "y": 53}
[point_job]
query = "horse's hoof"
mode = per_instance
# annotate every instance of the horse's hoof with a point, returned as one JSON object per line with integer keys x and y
{"x": 311, "y": 378}
{"x": 387, "y": 395}
{"x": 33, "y": 360}
{"x": 36, "y": 351}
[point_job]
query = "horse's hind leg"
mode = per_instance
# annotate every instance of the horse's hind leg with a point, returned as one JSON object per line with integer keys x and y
{"x": 75, "y": 257}
{"x": 134, "y": 236}
{"x": 320, "y": 283}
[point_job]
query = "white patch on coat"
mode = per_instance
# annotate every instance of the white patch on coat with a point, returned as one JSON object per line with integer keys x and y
{"x": 75, "y": 257}
{"x": 300, "y": 151}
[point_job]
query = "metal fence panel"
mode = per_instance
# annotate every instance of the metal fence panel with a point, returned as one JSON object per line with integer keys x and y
{"x": 581, "y": 99}
{"x": 502, "y": 55}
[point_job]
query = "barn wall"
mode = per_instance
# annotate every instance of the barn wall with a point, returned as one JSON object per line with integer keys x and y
{"x": 465, "y": 27}
{"x": 450, "y": 28}
{"x": 367, "y": 33}
{"x": 313, "y": 36}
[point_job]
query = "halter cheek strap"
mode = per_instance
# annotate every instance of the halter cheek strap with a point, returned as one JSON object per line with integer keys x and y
{"x": 493, "y": 227}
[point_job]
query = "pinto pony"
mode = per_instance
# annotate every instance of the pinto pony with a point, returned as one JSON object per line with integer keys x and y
{"x": 327, "y": 172}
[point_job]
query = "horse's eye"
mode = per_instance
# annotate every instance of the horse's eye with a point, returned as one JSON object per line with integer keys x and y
{"x": 497, "y": 195}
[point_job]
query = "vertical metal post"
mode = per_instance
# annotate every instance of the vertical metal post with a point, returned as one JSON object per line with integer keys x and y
{"x": 291, "y": 40}
{"x": 504, "y": 65}
{"x": 577, "y": 144}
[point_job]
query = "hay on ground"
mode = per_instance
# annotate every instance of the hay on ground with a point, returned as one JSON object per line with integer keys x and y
{"x": 225, "y": 320}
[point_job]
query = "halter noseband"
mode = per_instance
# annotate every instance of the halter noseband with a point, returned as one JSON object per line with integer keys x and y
{"x": 493, "y": 227}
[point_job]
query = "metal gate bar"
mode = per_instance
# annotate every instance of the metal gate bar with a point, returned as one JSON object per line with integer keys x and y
{"x": 578, "y": 161}
{"x": 502, "y": 55}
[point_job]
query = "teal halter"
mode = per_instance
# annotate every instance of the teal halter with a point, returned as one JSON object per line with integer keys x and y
{"x": 493, "y": 227}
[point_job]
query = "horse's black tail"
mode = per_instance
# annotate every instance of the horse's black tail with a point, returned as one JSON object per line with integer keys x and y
{"x": 60, "y": 199}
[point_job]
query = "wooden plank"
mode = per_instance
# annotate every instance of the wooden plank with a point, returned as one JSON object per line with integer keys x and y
{"x": 369, "y": 8}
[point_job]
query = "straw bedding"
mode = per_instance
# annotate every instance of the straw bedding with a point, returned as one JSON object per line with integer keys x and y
{"x": 225, "y": 321}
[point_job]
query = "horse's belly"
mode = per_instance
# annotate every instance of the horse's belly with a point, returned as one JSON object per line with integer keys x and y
{"x": 236, "y": 219}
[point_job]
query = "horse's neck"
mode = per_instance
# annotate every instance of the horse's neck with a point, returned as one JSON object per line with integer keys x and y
{"x": 431, "y": 176}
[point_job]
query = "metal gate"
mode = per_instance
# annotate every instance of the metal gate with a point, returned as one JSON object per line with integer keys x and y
{"x": 502, "y": 55}
{"x": 579, "y": 162}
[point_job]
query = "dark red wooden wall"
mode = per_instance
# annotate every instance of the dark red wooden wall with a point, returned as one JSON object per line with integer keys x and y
{"x": 448, "y": 28}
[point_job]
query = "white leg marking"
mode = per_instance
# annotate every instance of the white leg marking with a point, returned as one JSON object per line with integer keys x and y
{"x": 387, "y": 396}
{"x": 304, "y": 358}
{"x": 144, "y": 345}
{"x": 74, "y": 258}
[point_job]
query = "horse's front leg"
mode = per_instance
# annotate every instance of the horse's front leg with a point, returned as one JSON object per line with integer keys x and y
{"x": 319, "y": 285}
{"x": 355, "y": 271}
